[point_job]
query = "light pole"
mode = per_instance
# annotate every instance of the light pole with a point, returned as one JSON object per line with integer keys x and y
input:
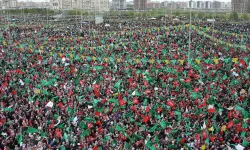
{"x": 76, "y": 10}
{"x": 81, "y": 15}
{"x": 190, "y": 24}
{"x": 213, "y": 22}
{"x": 47, "y": 12}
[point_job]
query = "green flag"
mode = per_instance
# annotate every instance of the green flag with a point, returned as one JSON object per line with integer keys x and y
{"x": 119, "y": 128}
{"x": 65, "y": 136}
{"x": 62, "y": 148}
{"x": 245, "y": 143}
{"x": 127, "y": 146}
{"x": 85, "y": 132}
{"x": 19, "y": 138}
{"x": 32, "y": 130}
{"x": 98, "y": 68}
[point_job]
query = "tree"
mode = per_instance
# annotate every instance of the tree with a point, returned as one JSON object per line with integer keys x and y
{"x": 245, "y": 17}
{"x": 222, "y": 17}
{"x": 234, "y": 16}
{"x": 177, "y": 13}
{"x": 200, "y": 15}
{"x": 131, "y": 14}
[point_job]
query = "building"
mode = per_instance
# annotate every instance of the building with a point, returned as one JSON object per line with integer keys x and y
{"x": 228, "y": 5}
{"x": 88, "y": 5}
{"x": 200, "y": 5}
{"x": 33, "y": 5}
{"x": 153, "y": 5}
{"x": 119, "y": 4}
{"x": 6, "y": 4}
{"x": 140, "y": 4}
{"x": 208, "y": 5}
{"x": 216, "y": 5}
{"x": 192, "y": 4}
{"x": 183, "y": 4}
{"x": 241, "y": 6}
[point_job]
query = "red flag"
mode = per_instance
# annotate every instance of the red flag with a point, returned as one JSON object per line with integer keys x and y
{"x": 96, "y": 88}
{"x": 135, "y": 101}
{"x": 202, "y": 105}
{"x": 170, "y": 103}
{"x": 81, "y": 82}
{"x": 146, "y": 119}
{"x": 52, "y": 124}
{"x": 133, "y": 108}
{"x": 122, "y": 102}
{"x": 98, "y": 123}
{"x": 147, "y": 109}
{"x": 159, "y": 110}
{"x": 211, "y": 110}
{"x": 204, "y": 134}
{"x": 147, "y": 91}
{"x": 230, "y": 124}
{"x": 90, "y": 125}
{"x": 70, "y": 93}
{"x": 197, "y": 137}
{"x": 5, "y": 84}
{"x": 98, "y": 114}
{"x": 60, "y": 105}
{"x": 212, "y": 138}
{"x": 58, "y": 133}
{"x": 14, "y": 92}
{"x": 196, "y": 89}
{"x": 188, "y": 80}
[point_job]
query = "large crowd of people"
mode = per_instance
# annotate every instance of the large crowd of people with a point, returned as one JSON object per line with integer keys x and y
{"x": 131, "y": 85}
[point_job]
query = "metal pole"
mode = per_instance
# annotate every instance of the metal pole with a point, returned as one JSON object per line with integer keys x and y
{"x": 171, "y": 10}
{"x": 213, "y": 23}
{"x": 89, "y": 16}
{"x": 165, "y": 14}
{"x": 81, "y": 15}
{"x": 190, "y": 24}
{"x": 47, "y": 13}
{"x": 76, "y": 11}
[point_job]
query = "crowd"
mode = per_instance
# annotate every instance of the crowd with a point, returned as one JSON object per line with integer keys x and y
{"x": 133, "y": 85}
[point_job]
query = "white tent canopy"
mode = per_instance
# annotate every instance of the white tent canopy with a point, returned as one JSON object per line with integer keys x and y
{"x": 210, "y": 20}
{"x": 107, "y": 25}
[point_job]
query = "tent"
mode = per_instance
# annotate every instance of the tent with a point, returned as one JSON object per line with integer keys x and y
{"x": 107, "y": 25}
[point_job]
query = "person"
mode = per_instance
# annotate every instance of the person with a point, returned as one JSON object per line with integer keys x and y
{"x": 138, "y": 87}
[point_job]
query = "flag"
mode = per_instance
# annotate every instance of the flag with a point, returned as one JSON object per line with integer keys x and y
{"x": 19, "y": 138}
{"x": 235, "y": 60}
{"x": 62, "y": 148}
{"x": 32, "y": 130}
{"x": 98, "y": 68}
{"x": 127, "y": 146}
{"x": 85, "y": 133}
{"x": 119, "y": 128}
{"x": 230, "y": 124}
{"x": 170, "y": 103}
{"x": 211, "y": 109}
{"x": 216, "y": 61}
{"x": 198, "y": 61}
